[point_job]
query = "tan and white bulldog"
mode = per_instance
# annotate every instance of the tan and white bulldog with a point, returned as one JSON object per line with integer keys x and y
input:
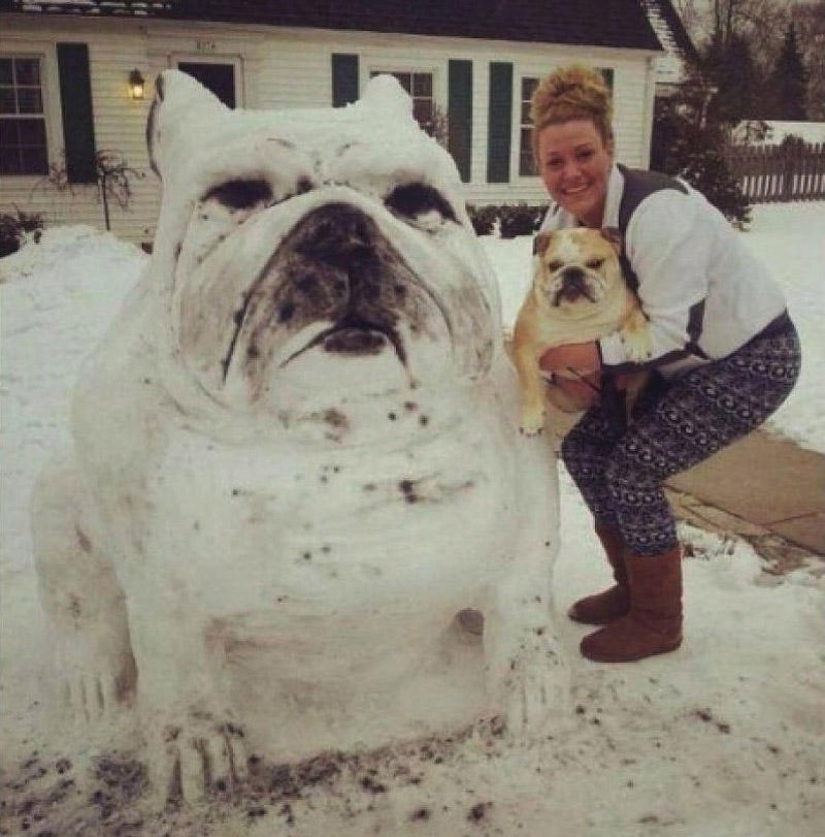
{"x": 578, "y": 294}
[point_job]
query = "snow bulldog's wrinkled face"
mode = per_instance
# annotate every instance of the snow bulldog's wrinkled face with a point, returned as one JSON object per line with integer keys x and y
{"x": 322, "y": 249}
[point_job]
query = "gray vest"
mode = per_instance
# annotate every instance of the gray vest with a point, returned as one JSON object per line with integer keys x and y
{"x": 638, "y": 184}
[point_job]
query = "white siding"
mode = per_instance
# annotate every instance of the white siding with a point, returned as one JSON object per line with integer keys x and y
{"x": 282, "y": 68}
{"x": 119, "y": 126}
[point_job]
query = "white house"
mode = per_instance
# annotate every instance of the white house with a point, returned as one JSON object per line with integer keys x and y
{"x": 65, "y": 69}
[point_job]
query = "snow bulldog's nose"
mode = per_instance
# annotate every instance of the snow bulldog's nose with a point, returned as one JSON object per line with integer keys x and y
{"x": 342, "y": 262}
{"x": 337, "y": 233}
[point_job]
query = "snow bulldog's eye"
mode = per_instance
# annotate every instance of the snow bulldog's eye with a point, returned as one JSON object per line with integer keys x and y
{"x": 241, "y": 194}
{"x": 221, "y": 209}
{"x": 227, "y": 205}
{"x": 420, "y": 204}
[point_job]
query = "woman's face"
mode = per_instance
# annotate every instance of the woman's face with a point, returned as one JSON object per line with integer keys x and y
{"x": 575, "y": 165}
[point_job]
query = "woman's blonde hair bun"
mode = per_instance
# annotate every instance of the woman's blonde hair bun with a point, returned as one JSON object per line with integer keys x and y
{"x": 576, "y": 91}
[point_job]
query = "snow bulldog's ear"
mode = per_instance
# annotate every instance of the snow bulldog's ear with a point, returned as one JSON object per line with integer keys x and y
{"x": 182, "y": 107}
{"x": 385, "y": 95}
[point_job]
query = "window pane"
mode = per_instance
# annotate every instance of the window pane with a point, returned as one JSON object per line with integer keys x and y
{"x": 528, "y": 86}
{"x": 34, "y": 160}
{"x": 423, "y": 112}
{"x": 23, "y": 146}
{"x": 423, "y": 85}
{"x": 10, "y": 162}
{"x": 9, "y": 135}
{"x": 5, "y": 71}
{"x": 7, "y": 102}
{"x": 32, "y": 131}
{"x": 526, "y": 165}
{"x": 406, "y": 81}
{"x": 29, "y": 100}
{"x": 525, "y": 113}
{"x": 27, "y": 71}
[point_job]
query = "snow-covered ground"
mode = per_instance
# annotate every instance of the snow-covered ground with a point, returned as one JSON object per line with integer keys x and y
{"x": 726, "y": 736}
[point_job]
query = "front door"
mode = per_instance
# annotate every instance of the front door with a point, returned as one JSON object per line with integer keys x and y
{"x": 219, "y": 78}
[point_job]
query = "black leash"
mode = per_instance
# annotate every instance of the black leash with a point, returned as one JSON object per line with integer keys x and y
{"x": 613, "y": 400}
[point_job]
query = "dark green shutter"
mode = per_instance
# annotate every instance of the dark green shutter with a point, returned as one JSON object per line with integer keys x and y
{"x": 607, "y": 75}
{"x": 500, "y": 125}
{"x": 460, "y": 115}
{"x": 76, "y": 107}
{"x": 344, "y": 79}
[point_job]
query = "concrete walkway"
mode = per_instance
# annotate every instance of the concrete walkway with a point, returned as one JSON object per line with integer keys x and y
{"x": 767, "y": 490}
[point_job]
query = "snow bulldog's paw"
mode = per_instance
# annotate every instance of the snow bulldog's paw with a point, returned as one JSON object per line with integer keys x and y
{"x": 533, "y": 687}
{"x": 93, "y": 695}
{"x": 196, "y": 759}
{"x": 94, "y": 687}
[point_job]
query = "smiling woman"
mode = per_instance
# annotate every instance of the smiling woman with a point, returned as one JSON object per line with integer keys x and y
{"x": 723, "y": 356}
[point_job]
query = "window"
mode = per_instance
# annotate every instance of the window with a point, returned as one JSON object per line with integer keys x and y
{"x": 420, "y": 88}
{"x": 527, "y": 166}
{"x": 23, "y": 149}
{"x": 219, "y": 78}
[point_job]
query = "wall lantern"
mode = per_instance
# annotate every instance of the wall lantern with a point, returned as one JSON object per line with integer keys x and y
{"x": 137, "y": 85}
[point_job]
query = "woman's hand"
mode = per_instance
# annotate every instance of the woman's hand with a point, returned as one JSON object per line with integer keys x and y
{"x": 576, "y": 370}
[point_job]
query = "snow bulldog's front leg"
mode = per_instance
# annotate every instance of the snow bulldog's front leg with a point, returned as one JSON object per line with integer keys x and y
{"x": 526, "y": 668}
{"x": 195, "y": 742}
{"x": 85, "y": 608}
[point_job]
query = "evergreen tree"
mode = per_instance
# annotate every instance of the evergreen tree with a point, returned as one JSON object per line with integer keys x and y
{"x": 728, "y": 63}
{"x": 789, "y": 81}
{"x": 689, "y": 143}
{"x": 809, "y": 22}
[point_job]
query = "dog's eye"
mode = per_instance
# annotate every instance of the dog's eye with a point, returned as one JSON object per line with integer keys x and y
{"x": 241, "y": 194}
{"x": 595, "y": 264}
{"x": 555, "y": 265}
{"x": 416, "y": 200}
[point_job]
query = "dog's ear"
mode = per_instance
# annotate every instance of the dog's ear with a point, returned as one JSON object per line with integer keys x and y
{"x": 182, "y": 109}
{"x": 613, "y": 236}
{"x": 541, "y": 242}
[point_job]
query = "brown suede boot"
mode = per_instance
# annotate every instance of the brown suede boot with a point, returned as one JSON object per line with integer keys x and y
{"x": 654, "y": 622}
{"x": 603, "y": 608}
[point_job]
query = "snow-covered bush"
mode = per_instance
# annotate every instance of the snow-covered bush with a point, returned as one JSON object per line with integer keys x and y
{"x": 509, "y": 220}
{"x": 15, "y": 226}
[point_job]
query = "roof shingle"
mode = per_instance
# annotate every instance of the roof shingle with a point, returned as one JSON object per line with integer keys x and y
{"x": 607, "y": 23}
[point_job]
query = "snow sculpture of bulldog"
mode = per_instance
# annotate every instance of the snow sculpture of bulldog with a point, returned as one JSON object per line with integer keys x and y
{"x": 296, "y": 458}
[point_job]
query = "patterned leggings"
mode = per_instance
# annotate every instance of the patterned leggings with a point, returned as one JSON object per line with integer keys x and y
{"x": 621, "y": 476}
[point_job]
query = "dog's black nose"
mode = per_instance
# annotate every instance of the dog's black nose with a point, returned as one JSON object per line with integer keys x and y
{"x": 573, "y": 285}
{"x": 573, "y": 276}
